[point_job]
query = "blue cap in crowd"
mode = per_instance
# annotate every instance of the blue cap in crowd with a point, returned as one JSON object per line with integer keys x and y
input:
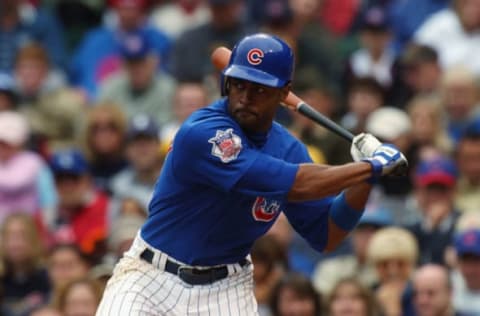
{"x": 135, "y": 45}
{"x": 438, "y": 170}
{"x": 142, "y": 125}
{"x": 69, "y": 161}
{"x": 468, "y": 242}
{"x": 376, "y": 216}
{"x": 375, "y": 18}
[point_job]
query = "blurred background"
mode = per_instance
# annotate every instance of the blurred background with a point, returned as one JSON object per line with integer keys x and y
{"x": 92, "y": 93}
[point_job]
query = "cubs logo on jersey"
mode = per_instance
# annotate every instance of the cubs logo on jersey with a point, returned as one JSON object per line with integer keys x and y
{"x": 226, "y": 145}
{"x": 265, "y": 210}
{"x": 255, "y": 56}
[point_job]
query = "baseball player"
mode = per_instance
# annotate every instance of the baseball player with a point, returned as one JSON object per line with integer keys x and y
{"x": 230, "y": 172}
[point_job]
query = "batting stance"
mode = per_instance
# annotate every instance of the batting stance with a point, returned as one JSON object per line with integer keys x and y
{"x": 229, "y": 174}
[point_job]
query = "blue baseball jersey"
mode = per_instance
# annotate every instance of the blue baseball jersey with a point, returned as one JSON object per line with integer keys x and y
{"x": 221, "y": 188}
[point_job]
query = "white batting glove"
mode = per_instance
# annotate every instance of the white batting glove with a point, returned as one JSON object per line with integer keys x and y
{"x": 364, "y": 146}
{"x": 387, "y": 160}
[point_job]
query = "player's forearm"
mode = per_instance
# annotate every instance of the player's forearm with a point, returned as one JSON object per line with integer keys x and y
{"x": 315, "y": 181}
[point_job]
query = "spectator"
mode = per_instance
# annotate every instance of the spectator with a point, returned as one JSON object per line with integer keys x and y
{"x": 188, "y": 97}
{"x": 394, "y": 266}
{"x": 104, "y": 143}
{"x": 82, "y": 214}
{"x": 176, "y": 17}
{"x": 97, "y": 56}
{"x": 271, "y": 264}
{"x": 468, "y": 161}
{"x": 428, "y": 124}
{"x": 466, "y": 278}
{"x": 21, "y": 23}
{"x": 453, "y": 33}
{"x": 45, "y": 311}
{"x": 225, "y": 28}
{"x": 52, "y": 109}
{"x": 374, "y": 58}
{"x": 139, "y": 87}
{"x": 330, "y": 271}
{"x": 432, "y": 291}
{"x": 24, "y": 280}
{"x": 66, "y": 262}
{"x": 460, "y": 99}
{"x": 79, "y": 297}
{"x": 435, "y": 181}
{"x": 26, "y": 183}
{"x": 420, "y": 73}
{"x": 350, "y": 297}
{"x": 145, "y": 159}
{"x": 8, "y": 96}
{"x": 364, "y": 96}
{"x": 124, "y": 229}
{"x": 295, "y": 295}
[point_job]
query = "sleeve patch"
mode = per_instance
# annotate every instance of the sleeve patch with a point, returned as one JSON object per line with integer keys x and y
{"x": 226, "y": 145}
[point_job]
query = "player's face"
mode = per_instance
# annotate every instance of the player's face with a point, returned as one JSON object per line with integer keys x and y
{"x": 254, "y": 105}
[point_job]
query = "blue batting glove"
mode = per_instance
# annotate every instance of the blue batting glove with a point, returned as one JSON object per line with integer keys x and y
{"x": 387, "y": 160}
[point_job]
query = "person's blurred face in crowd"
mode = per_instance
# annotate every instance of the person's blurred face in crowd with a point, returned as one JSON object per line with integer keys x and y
{"x": 375, "y": 41}
{"x": 226, "y": 15}
{"x": 46, "y": 311}
{"x": 469, "y": 265}
{"x": 347, "y": 300}
{"x": 469, "y": 13}
{"x": 72, "y": 189}
{"x": 393, "y": 269}
{"x": 435, "y": 198}
{"x": 460, "y": 96}
{"x": 143, "y": 153}
{"x": 65, "y": 265}
{"x": 362, "y": 102}
{"x": 80, "y": 300}
{"x": 423, "y": 77}
{"x": 18, "y": 240}
{"x": 291, "y": 304}
{"x": 305, "y": 9}
{"x": 7, "y": 101}
{"x": 188, "y": 98}
{"x": 468, "y": 159}
{"x": 130, "y": 15}
{"x": 31, "y": 69}
{"x": 425, "y": 118}
{"x": 432, "y": 292}
{"x": 141, "y": 72}
{"x": 318, "y": 99}
{"x": 104, "y": 135}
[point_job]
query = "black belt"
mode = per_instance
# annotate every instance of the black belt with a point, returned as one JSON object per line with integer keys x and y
{"x": 192, "y": 276}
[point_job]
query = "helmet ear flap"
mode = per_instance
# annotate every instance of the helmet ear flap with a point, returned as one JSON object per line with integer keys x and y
{"x": 225, "y": 84}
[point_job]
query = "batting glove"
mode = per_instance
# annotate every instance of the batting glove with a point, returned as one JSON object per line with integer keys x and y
{"x": 364, "y": 146}
{"x": 387, "y": 160}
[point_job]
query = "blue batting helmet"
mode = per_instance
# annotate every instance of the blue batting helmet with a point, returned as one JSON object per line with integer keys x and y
{"x": 261, "y": 58}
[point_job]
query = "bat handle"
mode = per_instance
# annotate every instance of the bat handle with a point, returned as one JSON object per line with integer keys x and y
{"x": 307, "y": 110}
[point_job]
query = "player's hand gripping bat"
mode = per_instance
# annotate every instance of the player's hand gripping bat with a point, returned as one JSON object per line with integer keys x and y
{"x": 220, "y": 58}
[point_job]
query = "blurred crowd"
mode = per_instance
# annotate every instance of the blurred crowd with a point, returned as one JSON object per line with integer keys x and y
{"x": 92, "y": 93}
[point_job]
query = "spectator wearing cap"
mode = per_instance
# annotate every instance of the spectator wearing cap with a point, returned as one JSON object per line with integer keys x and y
{"x": 82, "y": 213}
{"x": 435, "y": 182}
{"x": 374, "y": 58}
{"x": 468, "y": 161}
{"x": 330, "y": 271}
{"x": 99, "y": 54}
{"x": 26, "y": 183}
{"x": 140, "y": 88}
{"x": 466, "y": 278}
{"x": 145, "y": 159}
{"x": 8, "y": 96}
{"x": 225, "y": 27}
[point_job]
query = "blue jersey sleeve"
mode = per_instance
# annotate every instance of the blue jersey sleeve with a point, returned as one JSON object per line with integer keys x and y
{"x": 218, "y": 155}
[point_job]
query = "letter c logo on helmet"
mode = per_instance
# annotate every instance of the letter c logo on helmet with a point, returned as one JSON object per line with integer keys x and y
{"x": 255, "y": 56}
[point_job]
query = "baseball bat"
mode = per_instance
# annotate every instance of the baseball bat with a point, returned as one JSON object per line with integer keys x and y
{"x": 220, "y": 58}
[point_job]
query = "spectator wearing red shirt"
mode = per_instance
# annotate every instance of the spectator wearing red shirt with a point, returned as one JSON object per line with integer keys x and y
{"x": 82, "y": 209}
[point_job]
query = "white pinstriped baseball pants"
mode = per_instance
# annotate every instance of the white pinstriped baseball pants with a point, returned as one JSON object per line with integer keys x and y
{"x": 140, "y": 288}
